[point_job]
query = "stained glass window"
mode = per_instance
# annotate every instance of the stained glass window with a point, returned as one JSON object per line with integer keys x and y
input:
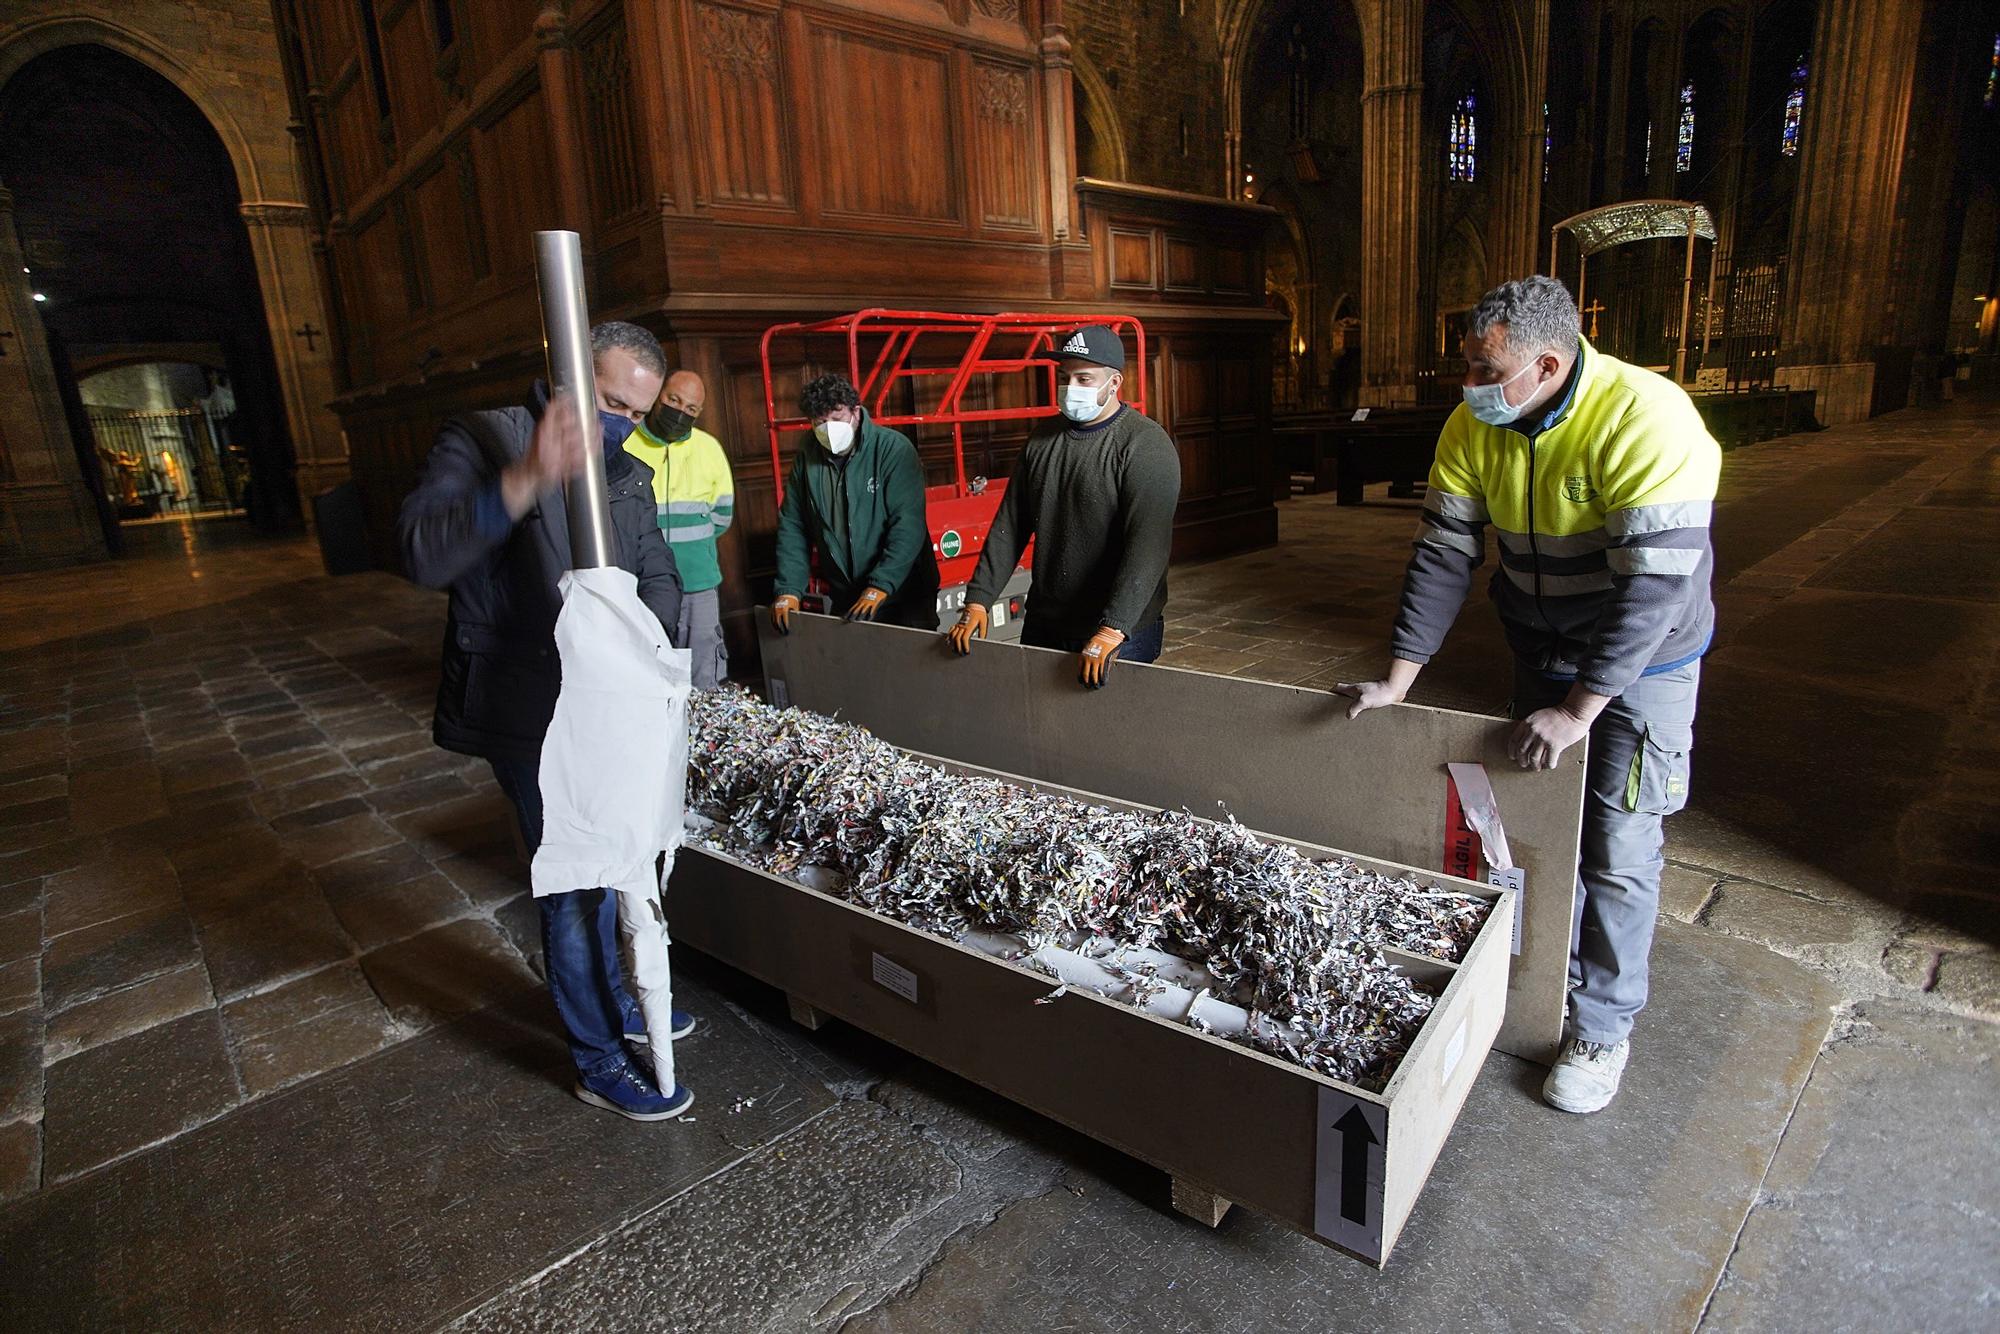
{"x": 1463, "y": 140}
{"x": 1993, "y": 75}
{"x": 1548, "y": 143}
{"x": 1795, "y": 109}
{"x": 1684, "y": 138}
{"x": 1648, "y": 167}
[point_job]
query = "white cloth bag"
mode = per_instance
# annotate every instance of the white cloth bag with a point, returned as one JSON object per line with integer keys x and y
{"x": 614, "y": 775}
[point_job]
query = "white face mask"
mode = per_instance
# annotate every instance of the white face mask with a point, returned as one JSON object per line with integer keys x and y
{"x": 1080, "y": 403}
{"x": 837, "y": 436}
{"x": 1488, "y": 402}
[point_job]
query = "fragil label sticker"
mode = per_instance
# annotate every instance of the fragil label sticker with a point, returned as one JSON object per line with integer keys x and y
{"x": 1347, "y": 1196}
{"x": 781, "y": 694}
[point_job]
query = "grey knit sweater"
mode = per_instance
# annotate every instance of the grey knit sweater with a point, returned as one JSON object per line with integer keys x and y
{"x": 1099, "y": 503}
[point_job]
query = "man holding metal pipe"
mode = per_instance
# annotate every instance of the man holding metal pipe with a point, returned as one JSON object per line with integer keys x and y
{"x": 486, "y": 521}
{"x": 1097, "y": 496}
{"x": 1599, "y": 478}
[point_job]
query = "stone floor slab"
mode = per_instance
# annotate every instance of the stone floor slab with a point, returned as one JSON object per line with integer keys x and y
{"x": 324, "y": 1041}
{"x": 446, "y": 972}
{"x": 20, "y": 1159}
{"x": 122, "y": 1013}
{"x": 126, "y": 1095}
{"x": 20, "y": 985}
{"x": 1785, "y": 921}
{"x": 730, "y": 1253}
{"x": 96, "y": 960}
{"x": 1623, "y": 1220}
{"x": 379, "y": 914}
{"x": 21, "y": 931}
{"x": 402, "y": 1190}
{"x": 1844, "y": 1238}
{"x": 104, "y": 890}
{"x": 280, "y": 938}
{"x": 20, "y": 1065}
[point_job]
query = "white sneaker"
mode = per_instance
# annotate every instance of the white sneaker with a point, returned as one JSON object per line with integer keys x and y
{"x": 1586, "y": 1075}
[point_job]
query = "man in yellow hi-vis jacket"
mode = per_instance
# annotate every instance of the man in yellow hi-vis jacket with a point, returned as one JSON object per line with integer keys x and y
{"x": 1599, "y": 479}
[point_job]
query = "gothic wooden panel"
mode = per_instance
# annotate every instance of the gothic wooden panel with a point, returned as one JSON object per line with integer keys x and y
{"x": 1131, "y": 258}
{"x": 1237, "y": 466}
{"x": 885, "y": 141}
{"x": 496, "y": 27}
{"x": 356, "y": 146}
{"x": 517, "y": 182}
{"x": 443, "y": 234}
{"x": 378, "y": 261}
{"x": 1232, "y": 269}
{"x": 1183, "y": 264}
{"x": 1004, "y": 139}
{"x": 617, "y": 164}
{"x": 415, "y": 94}
{"x": 329, "y": 34}
{"x": 1193, "y": 393}
{"x": 742, "y": 131}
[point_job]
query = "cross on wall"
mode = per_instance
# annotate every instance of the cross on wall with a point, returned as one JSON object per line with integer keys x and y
{"x": 307, "y": 332}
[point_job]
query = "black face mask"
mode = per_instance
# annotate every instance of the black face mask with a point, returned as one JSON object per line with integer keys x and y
{"x": 669, "y": 424}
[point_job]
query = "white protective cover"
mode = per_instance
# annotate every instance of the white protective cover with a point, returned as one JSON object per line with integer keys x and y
{"x": 614, "y": 773}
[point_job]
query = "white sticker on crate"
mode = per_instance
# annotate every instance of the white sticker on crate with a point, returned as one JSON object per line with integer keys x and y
{"x": 894, "y": 977}
{"x": 781, "y": 694}
{"x": 1453, "y": 1050}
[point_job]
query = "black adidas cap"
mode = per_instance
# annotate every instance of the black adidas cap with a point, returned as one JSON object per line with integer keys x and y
{"x": 1093, "y": 343}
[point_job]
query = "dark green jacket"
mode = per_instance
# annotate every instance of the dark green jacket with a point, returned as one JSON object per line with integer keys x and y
{"x": 885, "y": 541}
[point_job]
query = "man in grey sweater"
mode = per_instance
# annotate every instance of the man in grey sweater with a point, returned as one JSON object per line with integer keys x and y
{"x": 1097, "y": 495}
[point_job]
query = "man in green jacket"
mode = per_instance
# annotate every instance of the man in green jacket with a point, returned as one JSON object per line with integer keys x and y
{"x": 855, "y": 501}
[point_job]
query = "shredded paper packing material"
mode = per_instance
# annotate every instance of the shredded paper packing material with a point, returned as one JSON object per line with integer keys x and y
{"x": 613, "y": 791}
{"x": 1198, "y": 921}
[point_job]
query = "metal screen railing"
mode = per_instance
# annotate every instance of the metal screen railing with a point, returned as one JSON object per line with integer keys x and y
{"x": 162, "y": 463}
{"x": 1752, "y": 292}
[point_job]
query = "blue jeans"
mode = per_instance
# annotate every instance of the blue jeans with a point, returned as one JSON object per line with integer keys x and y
{"x": 579, "y": 944}
{"x": 1142, "y": 645}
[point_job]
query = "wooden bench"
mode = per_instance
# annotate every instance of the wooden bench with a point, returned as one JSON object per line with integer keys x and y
{"x": 1324, "y": 452}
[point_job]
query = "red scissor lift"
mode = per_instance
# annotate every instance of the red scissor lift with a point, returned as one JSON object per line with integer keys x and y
{"x": 959, "y": 353}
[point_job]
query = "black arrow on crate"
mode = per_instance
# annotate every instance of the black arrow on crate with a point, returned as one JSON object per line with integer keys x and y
{"x": 1355, "y": 1137}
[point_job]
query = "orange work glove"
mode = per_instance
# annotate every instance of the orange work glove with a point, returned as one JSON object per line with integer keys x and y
{"x": 866, "y": 605}
{"x": 1097, "y": 656}
{"x": 781, "y": 613}
{"x": 972, "y": 621}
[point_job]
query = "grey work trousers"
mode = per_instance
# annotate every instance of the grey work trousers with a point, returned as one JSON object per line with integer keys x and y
{"x": 1638, "y": 773}
{"x": 700, "y": 632}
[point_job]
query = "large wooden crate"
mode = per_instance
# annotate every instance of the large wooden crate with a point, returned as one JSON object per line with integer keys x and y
{"x": 1230, "y": 1125}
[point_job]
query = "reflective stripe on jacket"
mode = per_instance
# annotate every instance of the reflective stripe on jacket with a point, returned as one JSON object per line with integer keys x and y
{"x": 1601, "y": 508}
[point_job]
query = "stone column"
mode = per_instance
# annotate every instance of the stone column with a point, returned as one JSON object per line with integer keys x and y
{"x": 1515, "y": 248}
{"x": 1838, "y": 284}
{"x": 281, "y": 246}
{"x": 1392, "y": 45}
{"x": 1611, "y": 100}
{"x": 47, "y": 516}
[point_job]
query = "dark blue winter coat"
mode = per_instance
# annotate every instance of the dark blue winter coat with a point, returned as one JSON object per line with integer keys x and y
{"x": 500, "y": 671}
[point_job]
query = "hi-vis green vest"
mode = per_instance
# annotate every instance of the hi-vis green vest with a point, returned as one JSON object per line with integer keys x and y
{"x": 1602, "y": 509}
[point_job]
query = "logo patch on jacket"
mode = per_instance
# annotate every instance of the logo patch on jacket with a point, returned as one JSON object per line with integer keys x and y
{"x": 1579, "y": 490}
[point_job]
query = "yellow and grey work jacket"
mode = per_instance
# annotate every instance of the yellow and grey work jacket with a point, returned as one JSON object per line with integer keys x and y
{"x": 1602, "y": 508}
